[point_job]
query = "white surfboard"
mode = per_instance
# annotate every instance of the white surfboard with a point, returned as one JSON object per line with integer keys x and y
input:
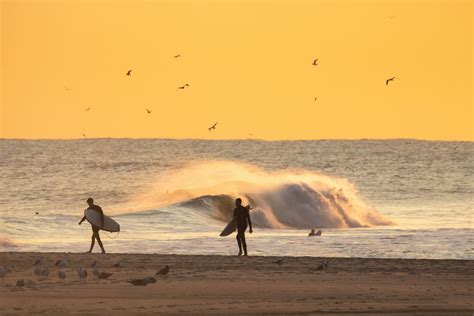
{"x": 229, "y": 229}
{"x": 94, "y": 218}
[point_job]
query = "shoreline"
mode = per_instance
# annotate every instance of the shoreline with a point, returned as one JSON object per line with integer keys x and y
{"x": 215, "y": 284}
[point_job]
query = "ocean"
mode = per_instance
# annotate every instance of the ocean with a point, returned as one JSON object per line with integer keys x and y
{"x": 371, "y": 198}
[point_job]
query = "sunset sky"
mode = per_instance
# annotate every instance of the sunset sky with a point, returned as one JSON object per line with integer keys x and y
{"x": 248, "y": 64}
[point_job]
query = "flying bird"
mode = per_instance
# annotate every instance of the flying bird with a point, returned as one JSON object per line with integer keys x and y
{"x": 176, "y": 56}
{"x": 129, "y": 73}
{"x": 390, "y": 79}
{"x": 66, "y": 88}
{"x": 183, "y": 86}
{"x": 148, "y": 111}
{"x": 315, "y": 99}
{"x": 315, "y": 62}
{"x": 163, "y": 271}
{"x": 84, "y": 135}
{"x": 87, "y": 110}
{"x": 212, "y": 127}
{"x": 45, "y": 272}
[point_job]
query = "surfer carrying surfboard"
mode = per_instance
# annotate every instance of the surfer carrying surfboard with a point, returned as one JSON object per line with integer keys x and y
{"x": 95, "y": 228}
{"x": 241, "y": 217}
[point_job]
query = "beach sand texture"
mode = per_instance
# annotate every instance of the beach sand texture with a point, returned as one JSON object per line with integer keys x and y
{"x": 238, "y": 285}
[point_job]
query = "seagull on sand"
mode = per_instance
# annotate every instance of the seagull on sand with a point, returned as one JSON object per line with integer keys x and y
{"x": 183, "y": 86}
{"x": 323, "y": 266}
{"x": 95, "y": 270}
{"x": 315, "y": 62}
{"x": 148, "y": 111}
{"x": 279, "y": 262}
{"x": 390, "y": 79}
{"x": 212, "y": 127}
{"x": 82, "y": 274}
{"x": 138, "y": 282}
{"x": 163, "y": 271}
{"x": 60, "y": 264}
{"x": 129, "y": 73}
{"x": 45, "y": 272}
{"x": 62, "y": 276}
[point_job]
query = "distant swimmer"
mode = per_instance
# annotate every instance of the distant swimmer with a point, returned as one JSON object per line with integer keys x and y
{"x": 148, "y": 111}
{"x": 177, "y": 56}
{"x": 389, "y": 80}
{"x": 313, "y": 233}
{"x": 95, "y": 229}
{"x": 212, "y": 127}
{"x": 241, "y": 217}
{"x": 183, "y": 86}
{"x": 315, "y": 62}
{"x": 129, "y": 73}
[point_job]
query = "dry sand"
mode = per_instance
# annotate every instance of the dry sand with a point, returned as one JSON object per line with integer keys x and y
{"x": 239, "y": 285}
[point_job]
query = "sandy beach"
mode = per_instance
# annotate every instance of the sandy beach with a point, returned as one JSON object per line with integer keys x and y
{"x": 238, "y": 285}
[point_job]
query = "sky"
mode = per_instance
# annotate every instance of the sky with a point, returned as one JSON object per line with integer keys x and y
{"x": 248, "y": 65}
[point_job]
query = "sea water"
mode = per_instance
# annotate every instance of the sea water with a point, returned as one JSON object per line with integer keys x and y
{"x": 371, "y": 198}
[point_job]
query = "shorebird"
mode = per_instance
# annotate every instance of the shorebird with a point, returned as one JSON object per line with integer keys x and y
{"x": 279, "y": 262}
{"x": 176, "y": 56}
{"x": 82, "y": 274}
{"x": 117, "y": 265}
{"x": 323, "y": 266}
{"x": 45, "y": 272}
{"x": 129, "y": 73}
{"x": 183, "y": 86}
{"x": 390, "y": 79}
{"x": 315, "y": 62}
{"x": 104, "y": 275}
{"x": 62, "y": 276}
{"x": 138, "y": 282}
{"x": 38, "y": 261}
{"x": 20, "y": 283}
{"x": 3, "y": 272}
{"x": 60, "y": 264}
{"x": 148, "y": 111}
{"x": 95, "y": 270}
{"x": 212, "y": 127}
{"x": 163, "y": 271}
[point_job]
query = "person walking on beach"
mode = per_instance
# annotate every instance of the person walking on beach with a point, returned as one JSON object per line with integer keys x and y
{"x": 241, "y": 216}
{"x": 95, "y": 229}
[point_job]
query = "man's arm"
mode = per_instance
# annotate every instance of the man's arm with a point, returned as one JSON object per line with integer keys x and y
{"x": 248, "y": 218}
{"x": 83, "y": 219}
{"x": 101, "y": 217}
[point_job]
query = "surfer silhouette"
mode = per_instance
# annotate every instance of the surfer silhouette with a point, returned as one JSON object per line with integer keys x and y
{"x": 241, "y": 216}
{"x": 95, "y": 229}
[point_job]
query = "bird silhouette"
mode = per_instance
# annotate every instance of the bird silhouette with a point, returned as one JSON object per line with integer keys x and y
{"x": 66, "y": 88}
{"x": 82, "y": 274}
{"x": 315, "y": 62}
{"x": 315, "y": 99}
{"x": 148, "y": 111}
{"x": 87, "y": 110}
{"x": 129, "y": 73}
{"x": 212, "y": 127}
{"x": 390, "y": 79}
{"x": 279, "y": 262}
{"x": 20, "y": 283}
{"x": 84, "y": 135}
{"x": 183, "y": 86}
{"x": 323, "y": 266}
{"x": 176, "y": 56}
{"x": 164, "y": 271}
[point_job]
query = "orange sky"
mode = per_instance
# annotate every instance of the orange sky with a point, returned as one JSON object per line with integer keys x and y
{"x": 248, "y": 64}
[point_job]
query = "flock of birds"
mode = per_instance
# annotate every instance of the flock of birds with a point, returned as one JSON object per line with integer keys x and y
{"x": 186, "y": 85}
{"x": 42, "y": 271}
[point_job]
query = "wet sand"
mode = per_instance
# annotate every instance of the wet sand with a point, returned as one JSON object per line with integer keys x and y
{"x": 239, "y": 285}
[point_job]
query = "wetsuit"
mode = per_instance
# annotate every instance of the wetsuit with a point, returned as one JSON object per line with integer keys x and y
{"x": 241, "y": 216}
